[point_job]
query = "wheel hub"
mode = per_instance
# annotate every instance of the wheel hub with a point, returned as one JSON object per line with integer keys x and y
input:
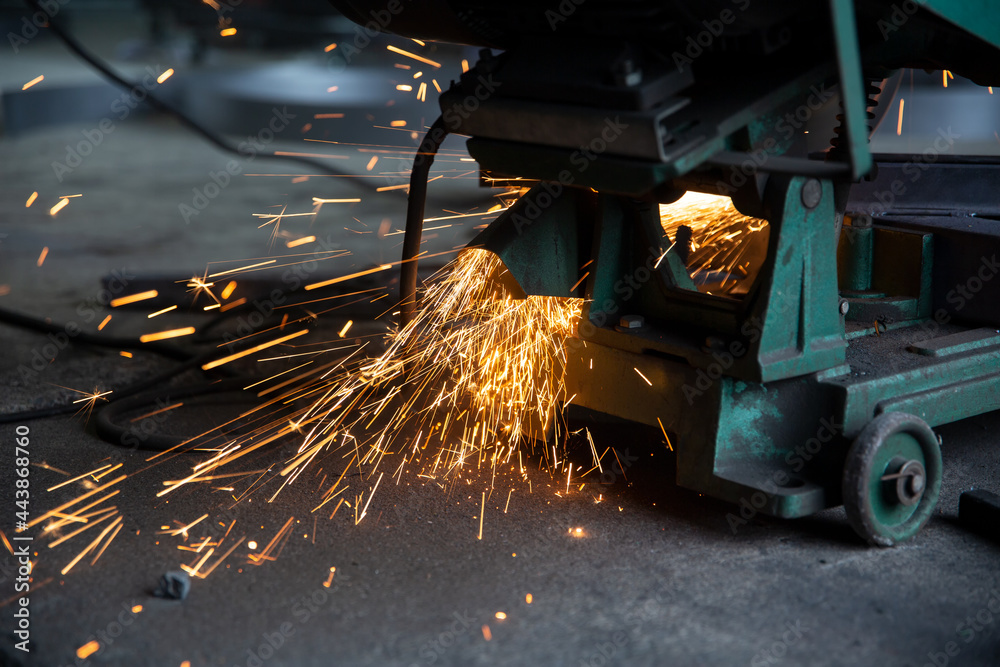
{"x": 906, "y": 485}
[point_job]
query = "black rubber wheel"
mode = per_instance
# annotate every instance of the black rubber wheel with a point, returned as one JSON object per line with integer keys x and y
{"x": 892, "y": 478}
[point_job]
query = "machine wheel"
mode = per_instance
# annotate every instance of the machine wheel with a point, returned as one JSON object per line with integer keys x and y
{"x": 892, "y": 478}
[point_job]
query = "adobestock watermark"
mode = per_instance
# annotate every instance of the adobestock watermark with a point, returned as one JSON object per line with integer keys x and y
{"x": 959, "y": 296}
{"x": 433, "y": 649}
{"x": 303, "y": 610}
{"x": 248, "y": 149}
{"x": 106, "y": 637}
{"x": 42, "y": 356}
{"x": 654, "y": 603}
{"x": 561, "y": 13}
{"x": 697, "y": 45}
{"x": 899, "y": 13}
{"x": 292, "y": 278}
{"x": 626, "y": 287}
{"x": 138, "y": 432}
{"x": 726, "y": 355}
{"x": 122, "y": 108}
{"x": 453, "y": 116}
{"x": 774, "y": 653}
{"x": 780, "y": 479}
{"x": 913, "y": 170}
{"x": 581, "y": 159}
{"x": 362, "y": 35}
{"x": 968, "y": 630}
{"x": 30, "y": 25}
{"x": 786, "y": 126}
{"x": 617, "y": 466}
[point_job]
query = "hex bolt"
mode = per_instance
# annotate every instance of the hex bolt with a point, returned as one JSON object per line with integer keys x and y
{"x": 812, "y": 193}
{"x": 632, "y": 321}
{"x": 627, "y": 73}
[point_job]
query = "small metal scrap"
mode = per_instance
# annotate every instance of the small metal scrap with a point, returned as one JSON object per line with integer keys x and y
{"x": 174, "y": 585}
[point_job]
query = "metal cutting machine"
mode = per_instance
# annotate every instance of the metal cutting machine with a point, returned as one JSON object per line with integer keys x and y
{"x": 796, "y": 337}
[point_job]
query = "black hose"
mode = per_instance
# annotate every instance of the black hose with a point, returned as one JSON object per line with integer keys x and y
{"x": 73, "y": 45}
{"x": 45, "y": 326}
{"x": 422, "y": 162}
{"x": 112, "y": 432}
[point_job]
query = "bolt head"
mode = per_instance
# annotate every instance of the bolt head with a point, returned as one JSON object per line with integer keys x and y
{"x": 844, "y": 307}
{"x": 812, "y": 193}
{"x": 632, "y": 321}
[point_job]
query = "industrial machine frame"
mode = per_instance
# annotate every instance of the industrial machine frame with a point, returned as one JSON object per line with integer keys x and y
{"x": 821, "y": 385}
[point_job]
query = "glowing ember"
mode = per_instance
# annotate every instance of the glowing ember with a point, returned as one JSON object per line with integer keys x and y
{"x": 162, "y": 335}
{"x": 88, "y": 649}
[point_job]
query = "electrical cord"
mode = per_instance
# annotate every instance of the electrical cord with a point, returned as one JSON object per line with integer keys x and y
{"x": 131, "y": 397}
{"x": 58, "y": 410}
{"x": 189, "y": 360}
{"x": 110, "y": 431}
{"x": 422, "y": 162}
{"x": 76, "y": 47}
{"x": 44, "y": 326}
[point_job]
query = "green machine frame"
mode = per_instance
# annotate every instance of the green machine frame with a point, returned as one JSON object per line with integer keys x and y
{"x": 818, "y": 387}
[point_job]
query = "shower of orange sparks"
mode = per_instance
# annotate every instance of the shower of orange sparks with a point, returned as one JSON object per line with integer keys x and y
{"x": 721, "y": 260}
{"x": 469, "y": 344}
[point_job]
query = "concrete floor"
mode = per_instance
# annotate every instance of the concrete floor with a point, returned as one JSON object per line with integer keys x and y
{"x": 657, "y": 577}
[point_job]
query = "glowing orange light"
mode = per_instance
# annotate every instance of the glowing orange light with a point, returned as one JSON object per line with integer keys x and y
{"x": 162, "y": 335}
{"x": 133, "y": 298}
{"x": 58, "y": 207}
{"x": 401, "y": 52}
{"x": 302, "y": 241}
{"x": 245, "y": 353}
{"x": 88, "y": 649}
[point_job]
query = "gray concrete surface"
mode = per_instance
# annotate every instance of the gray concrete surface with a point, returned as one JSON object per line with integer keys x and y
{"x": 659, "y": 577}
